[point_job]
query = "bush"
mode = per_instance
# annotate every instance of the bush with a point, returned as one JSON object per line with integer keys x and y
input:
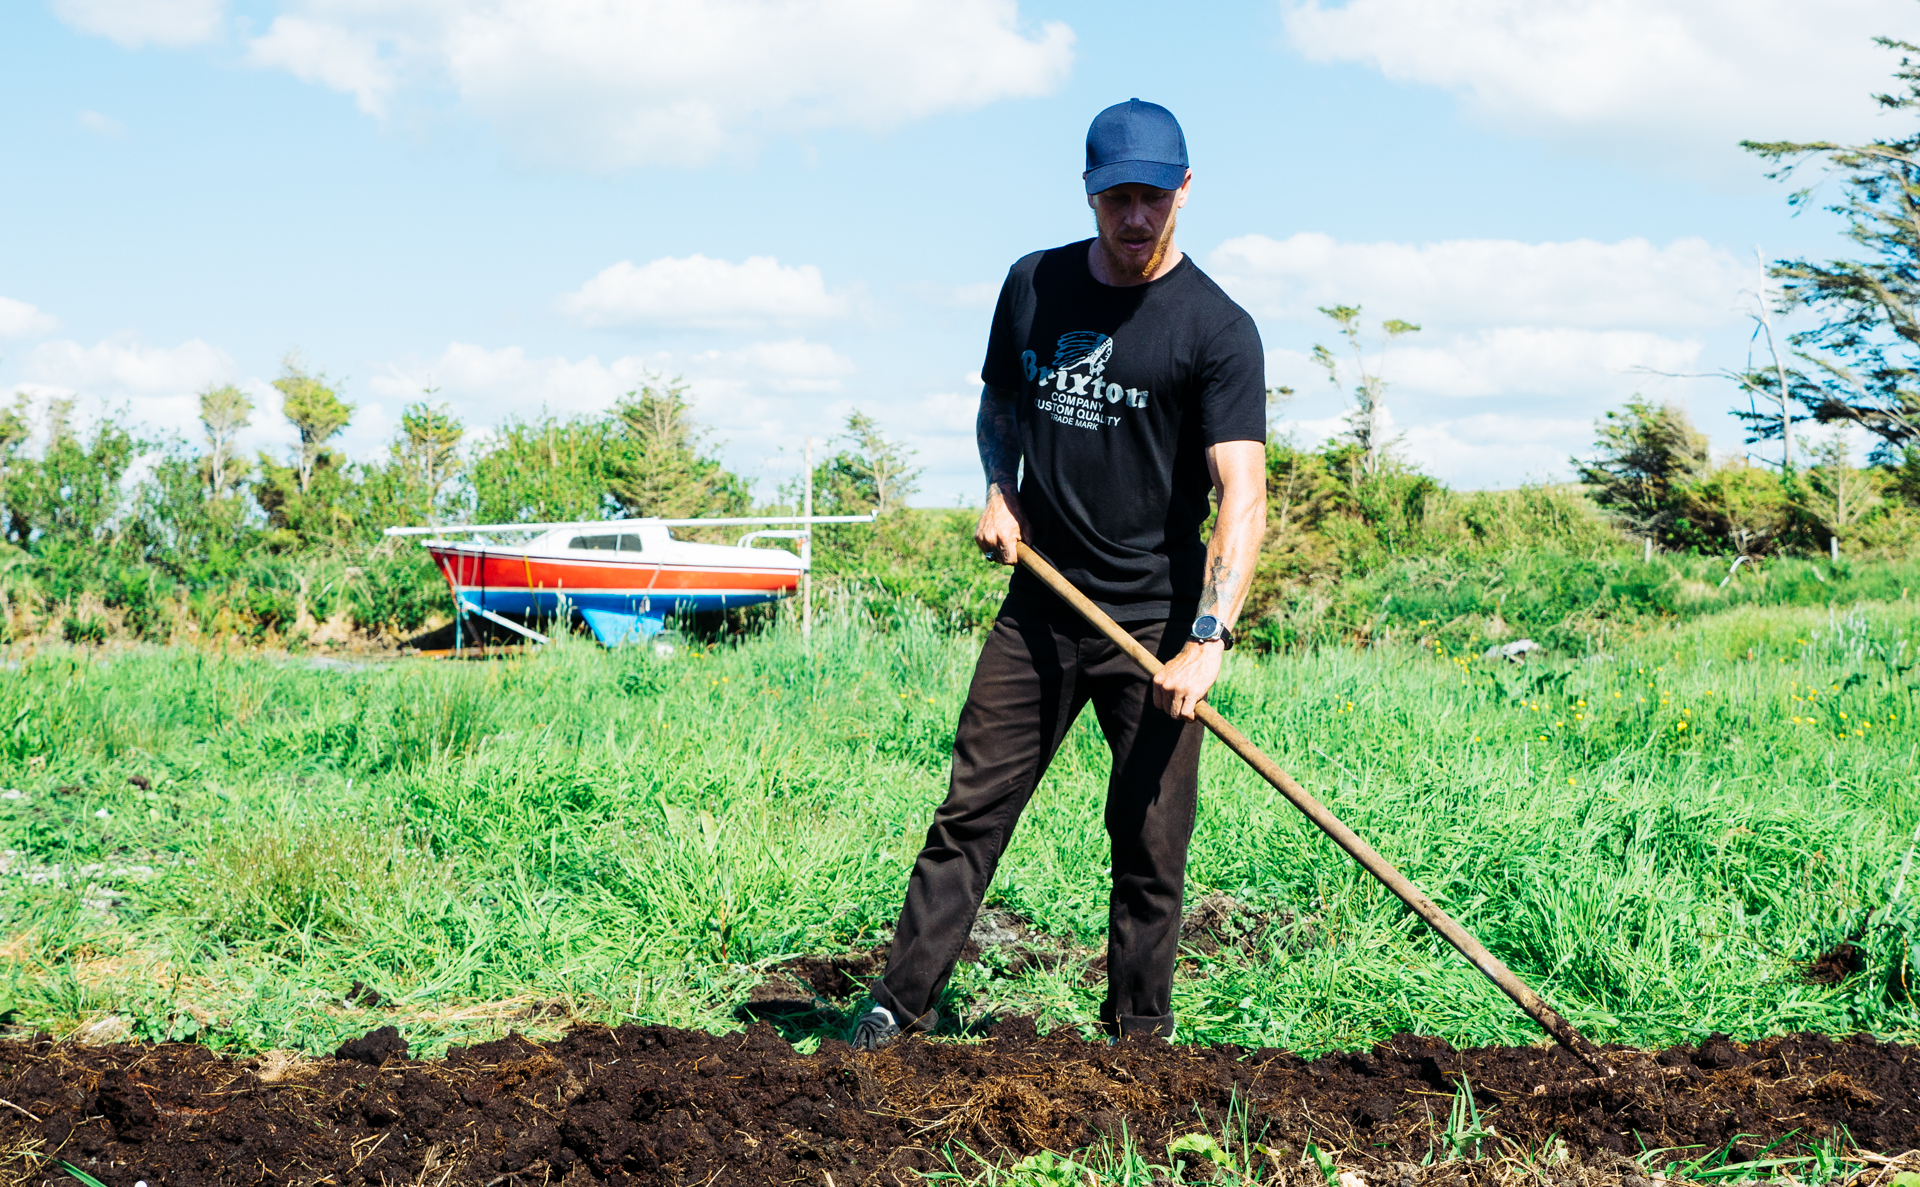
{"x": 89, "y": 629}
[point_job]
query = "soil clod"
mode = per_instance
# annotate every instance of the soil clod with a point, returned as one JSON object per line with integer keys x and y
{"x": 1836, "y": 964}
{"x": 375, "y": 1047}
{"x": 362, "y": 994}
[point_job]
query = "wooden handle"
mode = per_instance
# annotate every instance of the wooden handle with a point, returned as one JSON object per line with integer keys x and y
{"x": 1369, "y": 859}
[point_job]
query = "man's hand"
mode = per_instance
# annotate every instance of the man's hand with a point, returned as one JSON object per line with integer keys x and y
{"x": 1002, "y": 526}
{"x": 1187, "y": 677}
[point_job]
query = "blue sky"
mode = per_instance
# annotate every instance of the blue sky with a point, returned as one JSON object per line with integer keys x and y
{"x": 805, "y": 207}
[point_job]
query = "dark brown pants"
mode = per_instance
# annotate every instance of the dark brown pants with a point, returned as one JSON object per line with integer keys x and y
{"x": 1040, "y": 667}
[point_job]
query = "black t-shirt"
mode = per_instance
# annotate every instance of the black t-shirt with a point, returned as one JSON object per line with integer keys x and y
{"x": 1121, "y": 391}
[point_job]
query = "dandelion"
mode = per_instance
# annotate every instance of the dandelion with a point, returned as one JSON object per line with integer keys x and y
{"x": 1570, "y": 781}
{"x": 1679, "y": 725}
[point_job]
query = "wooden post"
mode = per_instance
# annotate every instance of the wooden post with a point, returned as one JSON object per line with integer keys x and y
{"x": 1833, "y": 549}
{"x": 806, "y": 555}
{"x": 1646, "y": 555}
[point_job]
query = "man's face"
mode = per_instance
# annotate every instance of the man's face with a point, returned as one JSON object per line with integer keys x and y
{"x": 1136, "y": 225}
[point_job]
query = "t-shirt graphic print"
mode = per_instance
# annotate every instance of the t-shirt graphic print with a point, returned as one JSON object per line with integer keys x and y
{"x": 1077, "y": 379}
{"x": 1119, "y": 392}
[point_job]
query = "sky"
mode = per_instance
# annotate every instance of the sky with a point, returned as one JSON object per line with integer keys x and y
{"x": 804, "y": 208}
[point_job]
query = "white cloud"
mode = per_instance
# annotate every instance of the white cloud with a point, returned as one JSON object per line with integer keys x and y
{"x": 134, "y": 23}
{"x": 151, "y": 388}
{"x": 1492, "y": 450}
{"x": 609, "y": 84}
{"x": 1521, "y": 346}
{"x": 119, "y": 368}
{"x": 1565, "y": 322}
{"x": 758, "y": 398}
{"x": 1571, "y": 364}
{"x": 102, "y": 125}
{"x": 697, "y": 291}
{"x": 330, "y": 55}
{"x": 1466, "y": 282}
{"x": 1681, "y": 79}
{"x": 21, "y": 320}
{"x": 1481, "y": 451}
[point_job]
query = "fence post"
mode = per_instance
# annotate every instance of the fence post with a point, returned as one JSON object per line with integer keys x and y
{"x": 806, "y": 556}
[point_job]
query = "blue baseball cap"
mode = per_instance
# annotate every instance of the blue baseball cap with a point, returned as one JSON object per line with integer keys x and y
{"x": 1135, "y": 142}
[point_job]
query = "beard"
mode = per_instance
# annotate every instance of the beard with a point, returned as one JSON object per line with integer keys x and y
{"x": 1118, "y": 263}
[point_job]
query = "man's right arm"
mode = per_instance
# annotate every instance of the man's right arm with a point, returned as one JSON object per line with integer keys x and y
{"x": 1002, "y": 524}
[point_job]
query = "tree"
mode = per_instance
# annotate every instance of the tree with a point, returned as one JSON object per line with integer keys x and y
{"x": 546, "y": 470}
{"x": 660, "y": 469}
{"x": 1838, "y": 496}
{"x": 316, "y": 412}
{"x": 873, "y": 474}
{"x": 425, "y": 452}
{"x": 1366, "y": 423}
{"x": 1863, "y": 358}
{"x": 1645, "y": 455}
{"x": 73, "y": 493}
{"x": 14, "y": 431}
{"x": 224, "y": 411}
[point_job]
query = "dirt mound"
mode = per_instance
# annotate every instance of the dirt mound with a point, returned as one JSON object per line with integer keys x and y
{"x": 375, "y": 1047}
{"x": 806, "y": 988}
{"x": 1219, "y": 922}
{"x": 653, "y": 1105}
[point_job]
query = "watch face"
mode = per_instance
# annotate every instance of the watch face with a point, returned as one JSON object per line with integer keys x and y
{"x": 1206, "y": 627}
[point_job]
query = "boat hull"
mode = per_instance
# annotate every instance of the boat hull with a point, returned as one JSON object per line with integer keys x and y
{"x": 507, "y": 581}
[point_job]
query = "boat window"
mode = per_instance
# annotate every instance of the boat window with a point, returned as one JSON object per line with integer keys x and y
{"x": 626, "y": 542}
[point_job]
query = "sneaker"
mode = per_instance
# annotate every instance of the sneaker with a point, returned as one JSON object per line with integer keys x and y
{"x": 875, "y": 1029}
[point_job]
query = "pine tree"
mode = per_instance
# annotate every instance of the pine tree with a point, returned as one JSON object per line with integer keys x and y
{"x": 1862, "y": 361}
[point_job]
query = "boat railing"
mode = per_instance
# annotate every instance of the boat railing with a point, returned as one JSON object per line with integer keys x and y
{"x": 772, "y": 534}
{"x": 717, "y": 521}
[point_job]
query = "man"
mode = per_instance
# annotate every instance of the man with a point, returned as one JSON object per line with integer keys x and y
{"x": 1129, "y": 385}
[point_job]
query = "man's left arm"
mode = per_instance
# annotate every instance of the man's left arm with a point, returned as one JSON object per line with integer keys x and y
{"x": 1239, "y": 470}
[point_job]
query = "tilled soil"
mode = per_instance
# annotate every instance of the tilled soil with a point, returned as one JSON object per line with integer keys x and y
{"x": 654, "y": 1105}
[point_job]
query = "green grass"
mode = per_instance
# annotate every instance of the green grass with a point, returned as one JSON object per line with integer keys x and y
{"x": 1655, "y": 839}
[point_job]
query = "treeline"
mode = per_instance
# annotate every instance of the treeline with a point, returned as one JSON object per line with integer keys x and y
{"x": 112, "y": 536}
{"x": 108, "y": 531}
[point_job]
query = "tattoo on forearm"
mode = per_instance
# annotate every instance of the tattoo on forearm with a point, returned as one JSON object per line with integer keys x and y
{"x": 998, "y": 432}
{"x": 1221, "y": 577}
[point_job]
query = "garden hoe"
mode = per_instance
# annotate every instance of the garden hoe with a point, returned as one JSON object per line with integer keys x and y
{"x": 1371, "y": 861}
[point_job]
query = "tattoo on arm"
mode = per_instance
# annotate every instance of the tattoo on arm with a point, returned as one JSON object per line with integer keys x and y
{"x": 1221, "y": 576}
{"x": 998, "y": 432}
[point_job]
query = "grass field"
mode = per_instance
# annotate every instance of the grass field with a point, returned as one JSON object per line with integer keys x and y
{"x": 1658, "y": 839}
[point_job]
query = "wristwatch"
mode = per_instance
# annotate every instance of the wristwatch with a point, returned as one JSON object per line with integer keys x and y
{"x": 1207, "y": 628}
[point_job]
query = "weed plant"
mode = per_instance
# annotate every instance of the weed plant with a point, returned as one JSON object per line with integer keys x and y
{"x": 1659, "y": 838}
